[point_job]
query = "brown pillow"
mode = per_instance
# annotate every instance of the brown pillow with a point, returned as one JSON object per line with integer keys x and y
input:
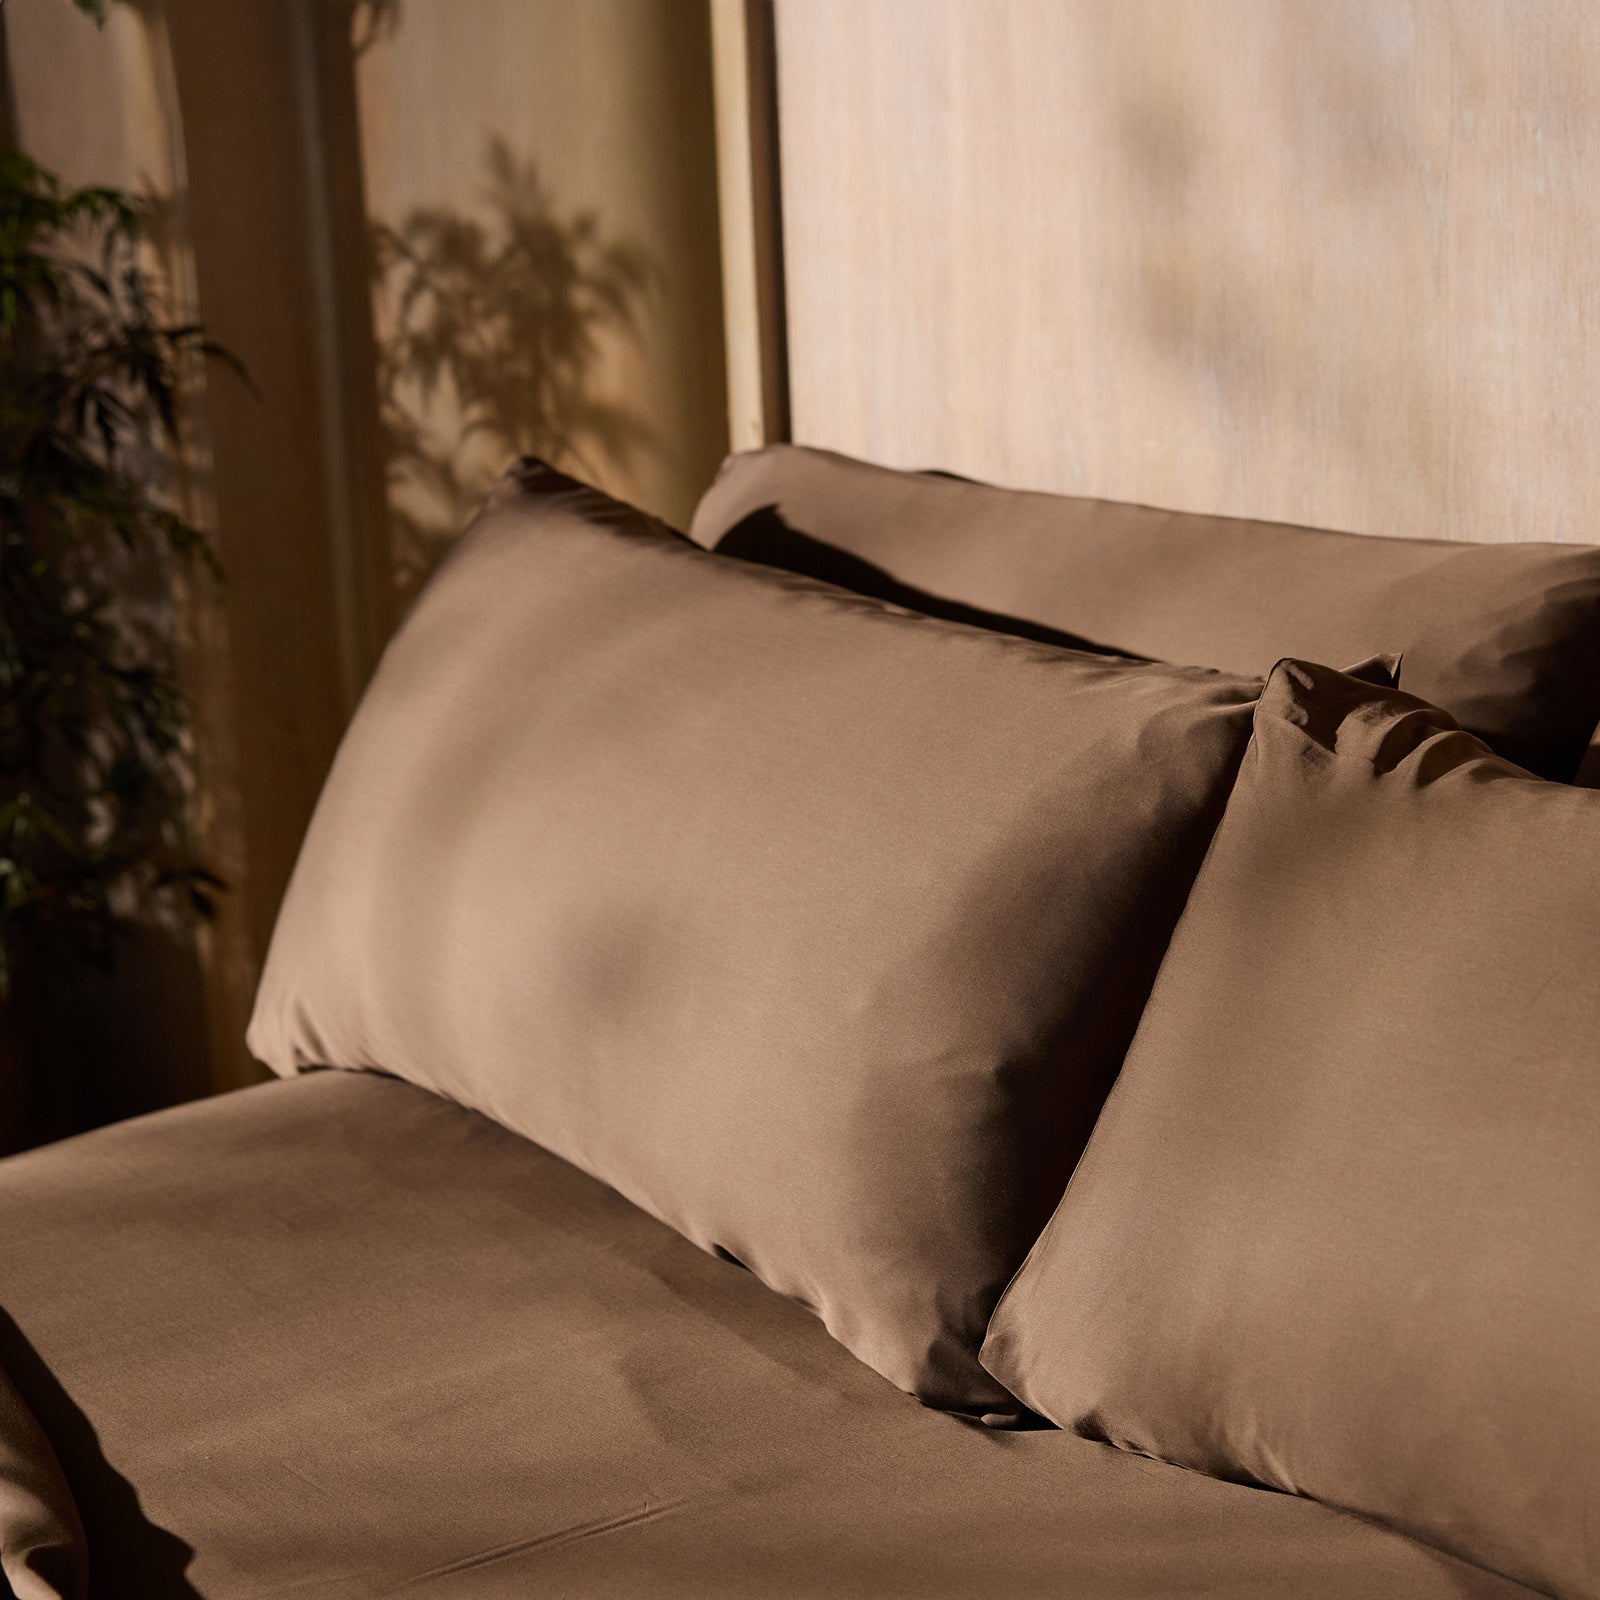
{"x": 815, "y": 927}
{"x": 1506, "y": 637}
{"x": 1338, "y": 1229}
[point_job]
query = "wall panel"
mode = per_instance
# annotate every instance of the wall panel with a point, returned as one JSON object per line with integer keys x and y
{"x": 1336, "y": 263}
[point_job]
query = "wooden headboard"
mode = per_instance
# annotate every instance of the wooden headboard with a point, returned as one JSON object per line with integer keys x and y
{"x": 1324, "y": 261}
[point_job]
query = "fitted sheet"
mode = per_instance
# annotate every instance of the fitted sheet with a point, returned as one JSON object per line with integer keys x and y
{"x": 337, "y": 1337}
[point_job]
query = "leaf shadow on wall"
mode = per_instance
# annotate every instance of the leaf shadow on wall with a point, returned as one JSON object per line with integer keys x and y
{"x": 493, "y": 328}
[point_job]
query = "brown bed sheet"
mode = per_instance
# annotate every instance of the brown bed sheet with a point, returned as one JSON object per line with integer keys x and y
{"x": 337, "y": 1337}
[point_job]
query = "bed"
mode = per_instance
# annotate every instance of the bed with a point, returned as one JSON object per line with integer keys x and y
{"x": 367, "y": 1332}
{"x": 335, "y": 1336}
{"x": 925, "y": 1038}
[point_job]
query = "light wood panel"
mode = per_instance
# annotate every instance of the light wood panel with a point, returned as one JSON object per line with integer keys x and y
{"x": 1328, "y": 261}
{"x": 747, "y": 188}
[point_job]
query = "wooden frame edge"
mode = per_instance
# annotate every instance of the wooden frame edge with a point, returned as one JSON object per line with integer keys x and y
{"x": 745, "y": 87}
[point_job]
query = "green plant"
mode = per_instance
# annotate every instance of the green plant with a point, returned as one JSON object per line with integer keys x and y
{"x": 94, "y": 733}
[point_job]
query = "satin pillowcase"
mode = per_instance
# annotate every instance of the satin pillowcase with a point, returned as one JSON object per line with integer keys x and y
{"x": 1336, "y": 1231}
{"x": 816, "y": 928}
{"x": 1506, "y": 637}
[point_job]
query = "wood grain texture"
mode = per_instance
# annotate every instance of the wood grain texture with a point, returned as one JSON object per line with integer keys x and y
{"x": 1334, "y": 263}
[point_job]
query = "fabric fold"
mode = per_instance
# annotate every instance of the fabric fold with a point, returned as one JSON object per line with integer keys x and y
{"x": 43, "y": 1553}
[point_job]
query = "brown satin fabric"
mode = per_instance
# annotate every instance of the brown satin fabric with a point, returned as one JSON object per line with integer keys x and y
{"x": 1504, "y": 636}
{"x": 336, "y": 1337}
{"x": 797, "y": 918}
{"x": 1336, "y": 1231}
{"x": 42, "y": 1551}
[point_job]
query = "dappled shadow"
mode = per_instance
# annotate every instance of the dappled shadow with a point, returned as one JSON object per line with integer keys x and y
{"x": 492, "y": 327}
{"x": 1296, "y": 222}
